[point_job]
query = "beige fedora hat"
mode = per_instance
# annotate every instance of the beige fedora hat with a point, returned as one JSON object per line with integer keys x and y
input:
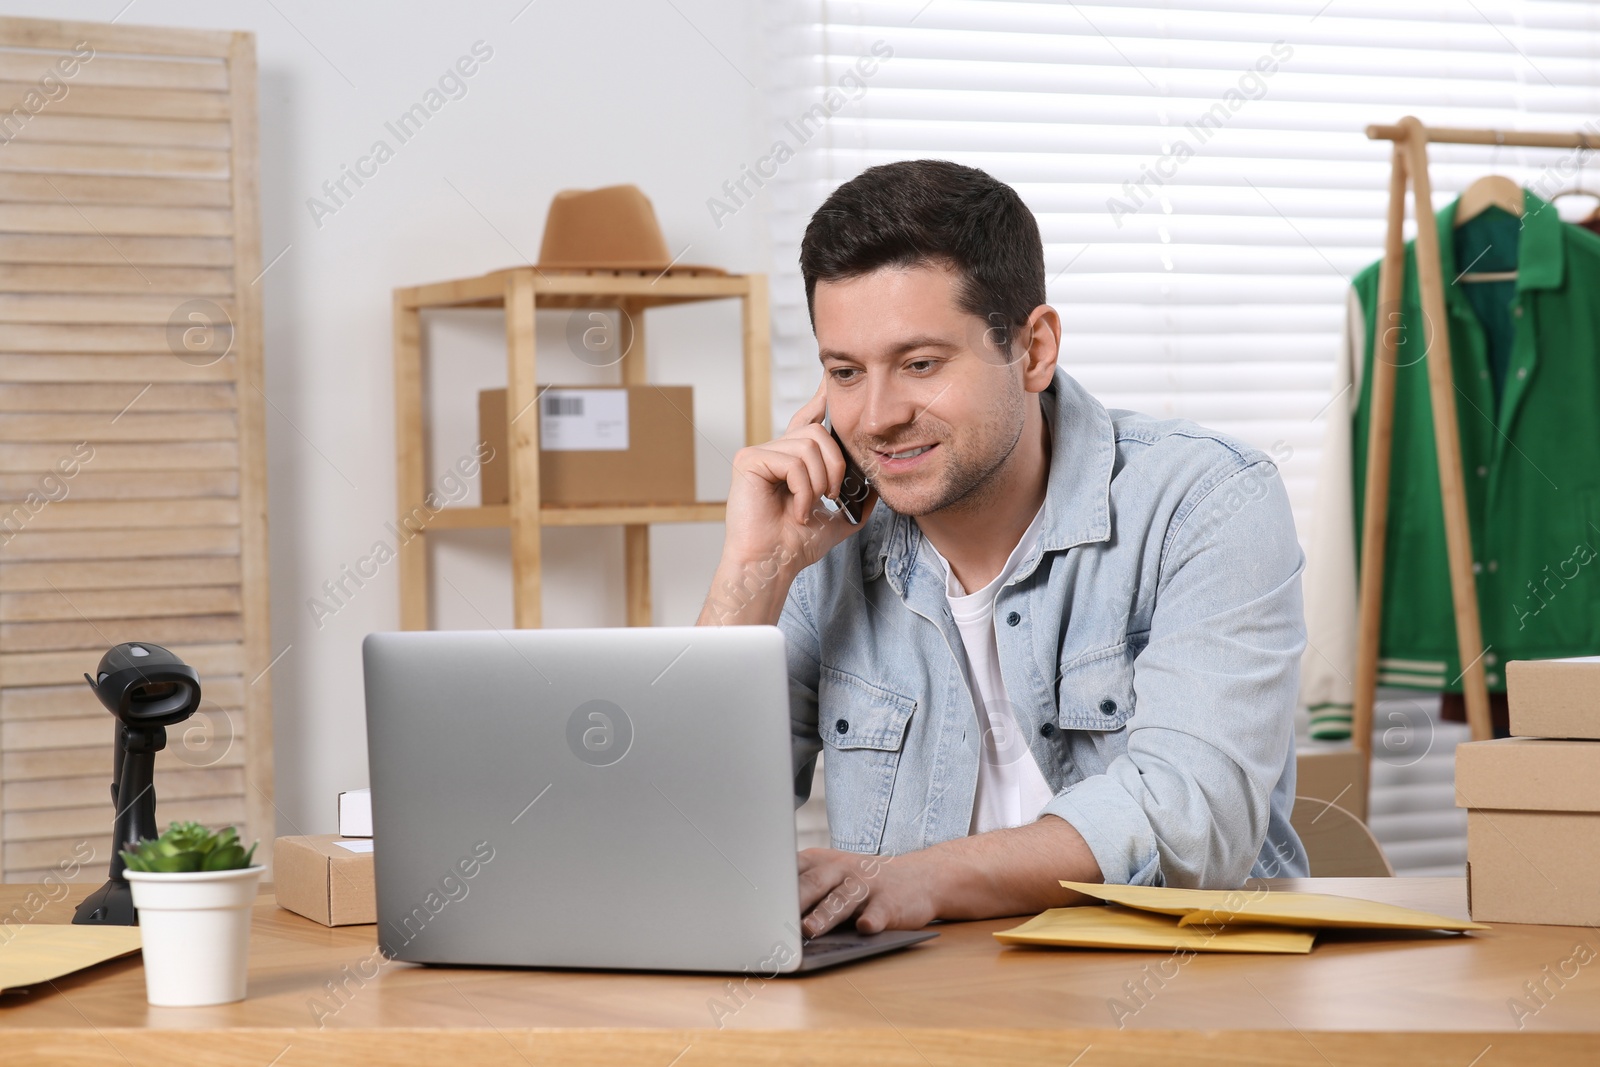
{"x": 613, "y": 228}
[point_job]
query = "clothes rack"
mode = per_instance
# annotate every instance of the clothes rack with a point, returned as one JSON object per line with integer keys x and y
{"x": 1410, "y": 167}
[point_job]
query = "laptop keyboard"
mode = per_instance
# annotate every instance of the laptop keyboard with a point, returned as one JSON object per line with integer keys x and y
{"x": 812, "y": 950}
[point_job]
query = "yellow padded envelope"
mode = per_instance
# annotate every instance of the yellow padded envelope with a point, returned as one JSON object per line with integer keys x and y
{"x": 39, "y": 953}
{"x": 1271, "y": 908}
{"x": 1098, "y": 927}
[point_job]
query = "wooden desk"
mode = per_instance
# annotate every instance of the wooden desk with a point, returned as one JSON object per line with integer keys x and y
{"x": 962, "y": 999}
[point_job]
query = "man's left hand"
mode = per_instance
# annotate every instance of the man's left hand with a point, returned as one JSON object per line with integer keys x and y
{"x": 1016, "y": 871}
{"x": 879, "y": 892}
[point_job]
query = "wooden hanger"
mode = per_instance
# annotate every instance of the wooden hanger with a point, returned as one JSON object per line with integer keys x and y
{"x": 1577, "y": 189}
{"x": 1491, "y": 190}
{"x": 1594, "y": 212}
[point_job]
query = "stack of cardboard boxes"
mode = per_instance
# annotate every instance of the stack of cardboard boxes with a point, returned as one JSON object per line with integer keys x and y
{"x": 1533, "y": 800}
{"x": 328, "y": 878}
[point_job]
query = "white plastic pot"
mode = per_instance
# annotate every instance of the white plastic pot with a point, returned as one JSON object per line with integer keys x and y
{"x": 196, "y": 934}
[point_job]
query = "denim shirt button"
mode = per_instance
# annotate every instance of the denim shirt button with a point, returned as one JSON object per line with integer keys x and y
{"x": 1013, "y": 619}
{"x": 843, "y": 726}
{"x": 1047, "y": 728}
{"x": 1108, "y": 707}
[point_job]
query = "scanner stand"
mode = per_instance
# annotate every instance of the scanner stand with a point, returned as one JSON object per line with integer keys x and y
{"x": 134, "y": 796}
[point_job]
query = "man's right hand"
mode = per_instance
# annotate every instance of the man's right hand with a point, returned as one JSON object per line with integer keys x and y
{"x": 777, "y": 524}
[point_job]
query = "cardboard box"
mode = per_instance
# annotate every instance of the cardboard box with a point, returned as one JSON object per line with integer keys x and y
{"x": 323, "y": 880}
{"x": 355, "y": 813}
{"x": 1554, "y": 697}
{"x": 1333, "y": 774}
{"x": 1533, "y": 829}
{"x": 599, "y": 445}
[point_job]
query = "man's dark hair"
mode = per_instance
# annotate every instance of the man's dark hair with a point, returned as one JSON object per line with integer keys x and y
{"x": 927, "y": 211}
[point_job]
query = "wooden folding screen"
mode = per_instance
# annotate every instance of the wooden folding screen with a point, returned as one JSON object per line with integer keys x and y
{"x": 132, "y": 450}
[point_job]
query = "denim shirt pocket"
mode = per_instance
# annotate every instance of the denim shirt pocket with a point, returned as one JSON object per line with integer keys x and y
{"x": 1096, "y": 690}
{"x": 864, "y": 727}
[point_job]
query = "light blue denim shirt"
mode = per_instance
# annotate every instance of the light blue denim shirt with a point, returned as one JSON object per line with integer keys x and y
{"x": 1150, "y": 647}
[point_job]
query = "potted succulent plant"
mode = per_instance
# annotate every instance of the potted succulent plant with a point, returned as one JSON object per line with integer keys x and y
{"x": 193, "y": 890}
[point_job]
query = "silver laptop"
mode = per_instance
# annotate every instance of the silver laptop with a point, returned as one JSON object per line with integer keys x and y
{"x": 596, "y": 798}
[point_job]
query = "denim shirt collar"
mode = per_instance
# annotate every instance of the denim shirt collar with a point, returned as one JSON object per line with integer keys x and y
{"x": 1077, "y": 502}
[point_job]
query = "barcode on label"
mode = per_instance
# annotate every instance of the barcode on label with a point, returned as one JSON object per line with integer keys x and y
{"x": 563, "y": 405}
{"x": 583, "y": 420}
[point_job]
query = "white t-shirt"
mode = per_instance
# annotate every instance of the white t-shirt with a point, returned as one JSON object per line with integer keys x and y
{"x": 1011, "y": 788}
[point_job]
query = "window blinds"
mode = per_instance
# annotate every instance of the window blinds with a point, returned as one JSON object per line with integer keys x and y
{"x": 1200, "y": 170}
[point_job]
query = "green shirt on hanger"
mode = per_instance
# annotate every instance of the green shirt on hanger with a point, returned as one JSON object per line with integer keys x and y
{"x": 1488, "y": 244}
{"x": 1530, "y": 450}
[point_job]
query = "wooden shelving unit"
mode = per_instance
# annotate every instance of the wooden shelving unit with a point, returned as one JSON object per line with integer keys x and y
{"x": 521, "y": 291}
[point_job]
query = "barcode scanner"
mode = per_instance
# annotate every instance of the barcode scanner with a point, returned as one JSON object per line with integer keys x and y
{"x": 148, "y": 689}
{"x": 855, "y": 488}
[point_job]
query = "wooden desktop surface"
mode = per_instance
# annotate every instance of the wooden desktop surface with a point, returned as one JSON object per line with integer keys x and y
{"x": 960, "y": 999}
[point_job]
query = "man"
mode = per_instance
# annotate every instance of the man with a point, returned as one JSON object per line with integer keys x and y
{"x": 1062, "y": 643}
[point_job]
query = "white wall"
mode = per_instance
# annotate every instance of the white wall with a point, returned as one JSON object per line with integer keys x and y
{"x": 576, "y": 95}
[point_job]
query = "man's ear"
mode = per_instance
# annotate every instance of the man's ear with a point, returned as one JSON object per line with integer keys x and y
{"x": 1042, "y": 335}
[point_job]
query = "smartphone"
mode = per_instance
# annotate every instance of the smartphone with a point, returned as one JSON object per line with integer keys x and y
{"x": 854, "y": 489}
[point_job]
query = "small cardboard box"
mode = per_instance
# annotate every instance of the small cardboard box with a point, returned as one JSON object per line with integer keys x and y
{"x": 1533, "y": 829}
{"x": 599, "y": 445}
{"x": 355, "y": 813}
{"x": 326, "y": 882}
{"x": 1554, "y": 697}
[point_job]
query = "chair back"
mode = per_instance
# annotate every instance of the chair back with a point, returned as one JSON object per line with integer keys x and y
{"x": 1338, "y": 844}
